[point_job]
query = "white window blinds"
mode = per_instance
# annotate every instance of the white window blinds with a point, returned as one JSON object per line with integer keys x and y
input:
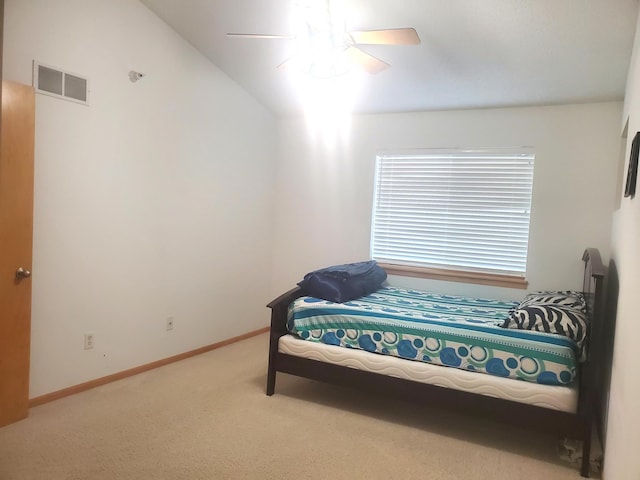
{"x": 456, "y": 210}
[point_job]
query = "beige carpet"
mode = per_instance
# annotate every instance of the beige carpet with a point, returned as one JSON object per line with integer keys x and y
{"x": 207, "y": 417}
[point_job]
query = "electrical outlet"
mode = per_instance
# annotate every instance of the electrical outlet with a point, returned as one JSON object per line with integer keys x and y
{"x": 169, "y": 324}
{"x": 88, "y": 340}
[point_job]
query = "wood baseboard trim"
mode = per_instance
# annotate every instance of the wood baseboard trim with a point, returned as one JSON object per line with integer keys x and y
{"x": 65, "y": 392}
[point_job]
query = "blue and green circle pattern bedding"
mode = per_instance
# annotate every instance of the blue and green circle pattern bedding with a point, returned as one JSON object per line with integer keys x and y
{"x": 446, "y": 330}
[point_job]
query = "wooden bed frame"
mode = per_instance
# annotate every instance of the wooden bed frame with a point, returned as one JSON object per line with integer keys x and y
{"x": 572, "y": 425}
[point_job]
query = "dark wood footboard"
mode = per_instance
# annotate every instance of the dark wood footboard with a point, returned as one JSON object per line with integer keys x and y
{"x": 278, "y": 308}
{"x": 572, "y": 425}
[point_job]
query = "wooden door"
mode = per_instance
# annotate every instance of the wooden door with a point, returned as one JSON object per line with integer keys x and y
{"x": 16, "y": 238}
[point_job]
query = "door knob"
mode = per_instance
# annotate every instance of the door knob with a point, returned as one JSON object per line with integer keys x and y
{"x": 22, "y": 273}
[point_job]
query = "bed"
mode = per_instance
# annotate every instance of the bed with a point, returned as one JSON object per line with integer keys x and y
{"x": 535, "y": 380}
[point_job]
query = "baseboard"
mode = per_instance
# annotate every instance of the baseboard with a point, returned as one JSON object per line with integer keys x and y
{"x": 65, "y": 392}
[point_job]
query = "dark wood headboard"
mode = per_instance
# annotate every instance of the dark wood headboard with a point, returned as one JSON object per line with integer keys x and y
{"x": 593, "y": 289}
{"x": 591, "y": 375}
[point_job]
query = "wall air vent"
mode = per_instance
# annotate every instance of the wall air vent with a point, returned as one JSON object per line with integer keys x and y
{"x": 60, "y": 84}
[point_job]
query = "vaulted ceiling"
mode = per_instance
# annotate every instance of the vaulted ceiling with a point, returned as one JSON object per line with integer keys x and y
{"x": 473, "y": 54}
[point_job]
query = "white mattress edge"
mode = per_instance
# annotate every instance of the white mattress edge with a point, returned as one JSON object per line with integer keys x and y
{"x": 563, "y": 398}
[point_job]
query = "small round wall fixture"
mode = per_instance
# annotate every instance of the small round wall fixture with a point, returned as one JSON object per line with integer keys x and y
{"x": 135, "y": 76}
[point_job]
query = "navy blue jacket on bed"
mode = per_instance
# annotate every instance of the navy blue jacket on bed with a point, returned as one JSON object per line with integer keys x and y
{"x": 342, "y": 283}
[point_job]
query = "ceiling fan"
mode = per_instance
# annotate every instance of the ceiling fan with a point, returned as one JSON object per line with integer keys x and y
{"x": 324, "y": 47}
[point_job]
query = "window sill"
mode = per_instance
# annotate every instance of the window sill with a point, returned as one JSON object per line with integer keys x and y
{"x": 495, "y": 280}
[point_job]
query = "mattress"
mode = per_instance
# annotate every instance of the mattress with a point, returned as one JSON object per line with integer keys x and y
{"x": 563, "y": 398}
{"x": 444, "y": 330}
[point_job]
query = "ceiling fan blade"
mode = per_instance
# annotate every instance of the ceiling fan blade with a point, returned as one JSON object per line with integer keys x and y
{"x": 367, "y": 62}
{"x": 397, "y": 36}
{"x": 259, "y": 35}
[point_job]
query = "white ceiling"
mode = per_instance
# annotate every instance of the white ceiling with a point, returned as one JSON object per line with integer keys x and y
{"x": 474, "y": 53}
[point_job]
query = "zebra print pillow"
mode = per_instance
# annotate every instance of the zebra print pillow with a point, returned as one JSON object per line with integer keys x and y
{"x": 559, "y": 298}
{"x": 561, "y": 313}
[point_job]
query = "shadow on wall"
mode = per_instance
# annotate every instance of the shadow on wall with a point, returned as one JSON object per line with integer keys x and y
{"x": 612, "y": 287}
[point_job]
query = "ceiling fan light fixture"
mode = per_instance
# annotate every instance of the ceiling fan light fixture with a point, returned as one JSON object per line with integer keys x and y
{"x": 321, "y": 39}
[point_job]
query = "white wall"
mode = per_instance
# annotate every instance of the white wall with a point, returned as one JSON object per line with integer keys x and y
{"x": 623, "y": 428}
{"x": 154, "y": 201}
{"x": 324, "y": 194}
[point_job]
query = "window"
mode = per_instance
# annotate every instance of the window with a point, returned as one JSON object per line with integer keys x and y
{"x": 454, "y": 215}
